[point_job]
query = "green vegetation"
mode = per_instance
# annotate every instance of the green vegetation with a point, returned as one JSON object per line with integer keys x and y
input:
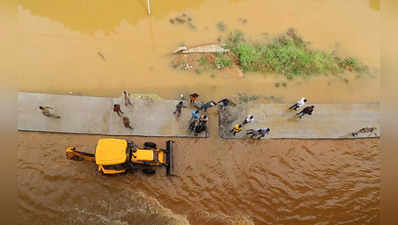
{"x": 212, "y": 75}
{"x": 289, "y": 55}
{"x": 202, "y": 61}
{"x": 222, "y": 61}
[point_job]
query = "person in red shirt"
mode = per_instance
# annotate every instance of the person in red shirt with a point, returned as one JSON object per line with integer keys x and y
{"x": 116, "y": 109}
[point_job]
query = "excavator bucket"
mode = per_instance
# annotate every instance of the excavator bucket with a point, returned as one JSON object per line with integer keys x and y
{"x": 169, "y": 158}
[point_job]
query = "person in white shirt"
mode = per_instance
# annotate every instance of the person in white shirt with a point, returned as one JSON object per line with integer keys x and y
{"x": 49, "y": 112}
{"x": 126, "y": 97}
{"x": 298, "y": 104}
{"x": 249, "y": 119}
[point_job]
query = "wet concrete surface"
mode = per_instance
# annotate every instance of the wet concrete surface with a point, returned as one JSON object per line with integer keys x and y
{"x": 94, "y": 115}
{"x": 328, "y": 121}
{"x": 154, "y": 117}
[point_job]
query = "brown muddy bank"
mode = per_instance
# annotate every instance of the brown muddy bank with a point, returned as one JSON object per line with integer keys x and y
{"x": 218, "y": 182}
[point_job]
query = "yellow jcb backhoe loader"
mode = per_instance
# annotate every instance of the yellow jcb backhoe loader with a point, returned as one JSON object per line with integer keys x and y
{"x": 114, "y": 156}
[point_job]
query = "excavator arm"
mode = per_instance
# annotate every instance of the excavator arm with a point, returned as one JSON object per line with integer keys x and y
{"x": 73, "y": 154}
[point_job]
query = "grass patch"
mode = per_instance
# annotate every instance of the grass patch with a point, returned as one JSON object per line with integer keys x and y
{"x": 212, "y": 75}
{"x": 289, "y": 55}
{"x": 222, "y": 61}
{"x": 202, "y": 61}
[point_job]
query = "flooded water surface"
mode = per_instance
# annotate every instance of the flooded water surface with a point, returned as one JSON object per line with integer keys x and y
{"x": 100, "y": 48}
{"x": 218, "y": 182}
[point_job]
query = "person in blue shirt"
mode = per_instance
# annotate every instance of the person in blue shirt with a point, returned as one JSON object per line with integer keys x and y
{"x": 195, "y": 115}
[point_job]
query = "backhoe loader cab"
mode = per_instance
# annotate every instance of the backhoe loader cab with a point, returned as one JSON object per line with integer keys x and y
{"x": 111, "y": 156}
{"x": 114, "y": 156}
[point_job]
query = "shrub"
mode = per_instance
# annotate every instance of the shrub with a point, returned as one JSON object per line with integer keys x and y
{"x": 222, "y": 61}
{"x": 289, "y": 55}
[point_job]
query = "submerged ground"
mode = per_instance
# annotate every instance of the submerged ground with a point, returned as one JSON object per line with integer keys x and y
{"x": 100, "y": 48}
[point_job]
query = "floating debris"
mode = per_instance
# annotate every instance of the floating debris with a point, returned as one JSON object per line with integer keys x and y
{"x": 180, "y": 49}
{"x": 183, "y": 19}
{"x": 210, "y": 48}
{"x": 180, "y": 20}
{"x": 221, "y": 26}
{"x": 186, "y": 66}
{"x": 242, "y": 20}
{"x": 190, "y": 25}
{"x": 101, "y": 55}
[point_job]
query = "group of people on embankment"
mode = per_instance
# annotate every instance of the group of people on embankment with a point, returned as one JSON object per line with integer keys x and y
{"x": 262, "y": 132}
{"x": 50, "y": 111}
{"x": 198, "y": 122}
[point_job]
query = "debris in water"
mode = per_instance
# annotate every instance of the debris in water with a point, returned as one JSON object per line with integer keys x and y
{"x": 180, "y": 20}
{"x": 183, "y": 19}
{"x": 210, "y": 48}
{"x": 221, "y": 26}
{"x": 180, "y": 49}
{"x": 187, "y": 66}
{"x": 101, "y": 55}
{"x": 191, "y": 26}
{"x": 242, "y": 20}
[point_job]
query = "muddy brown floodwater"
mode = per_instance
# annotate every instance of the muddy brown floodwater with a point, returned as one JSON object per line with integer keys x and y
{"x": 218, "y": 182}
{"x": 101, "y": 47}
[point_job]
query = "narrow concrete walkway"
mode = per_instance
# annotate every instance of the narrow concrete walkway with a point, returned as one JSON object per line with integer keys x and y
{"x": 94, "y": 115}
{"x": 154, "y": 117}
{"x": 328, "y": 121}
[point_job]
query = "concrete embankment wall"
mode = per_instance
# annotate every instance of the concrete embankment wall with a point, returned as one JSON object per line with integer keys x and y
{"x": 94, "y": 115}
{"x": 154, "y": 117}
{"x": 328, "y": 121}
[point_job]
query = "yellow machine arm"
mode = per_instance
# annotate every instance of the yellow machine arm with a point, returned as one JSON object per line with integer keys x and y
{"x": 72, "y": 154}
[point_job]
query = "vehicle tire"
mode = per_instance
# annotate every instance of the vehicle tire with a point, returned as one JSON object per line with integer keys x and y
{"x": 150, "y": 145}
{"x": 149, "y": 171}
